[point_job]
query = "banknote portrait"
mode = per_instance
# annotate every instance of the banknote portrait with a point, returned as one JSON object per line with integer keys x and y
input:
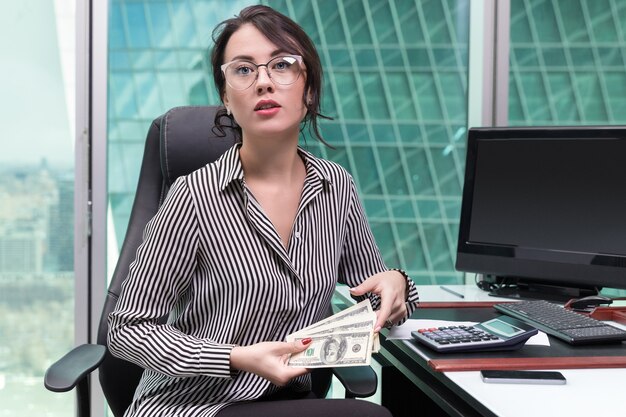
{"x": 334, "y": 349}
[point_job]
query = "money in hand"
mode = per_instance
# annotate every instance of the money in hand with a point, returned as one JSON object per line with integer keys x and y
{"x": 343, "y": 339}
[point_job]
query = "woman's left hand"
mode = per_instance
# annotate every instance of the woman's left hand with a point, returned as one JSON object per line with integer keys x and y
{"x": 391, "y": 287}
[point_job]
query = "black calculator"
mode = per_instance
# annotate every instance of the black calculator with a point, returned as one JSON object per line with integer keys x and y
{"x": 501, "y": 333}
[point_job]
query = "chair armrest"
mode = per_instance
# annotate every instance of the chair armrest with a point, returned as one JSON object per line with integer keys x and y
{"x": 359, "y": 381}
{"x": 71, "y": 369}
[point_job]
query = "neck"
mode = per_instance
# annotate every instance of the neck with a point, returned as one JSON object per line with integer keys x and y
{"x": 262, "y": 161}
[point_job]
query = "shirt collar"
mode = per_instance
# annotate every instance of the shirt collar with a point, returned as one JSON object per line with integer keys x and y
{"x": 232, "y": 170}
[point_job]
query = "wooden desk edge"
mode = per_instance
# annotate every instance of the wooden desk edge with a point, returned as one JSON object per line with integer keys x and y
{"x": 576, "y": 362}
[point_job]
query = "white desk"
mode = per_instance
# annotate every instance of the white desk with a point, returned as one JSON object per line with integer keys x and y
{"x": 588, "y": 392}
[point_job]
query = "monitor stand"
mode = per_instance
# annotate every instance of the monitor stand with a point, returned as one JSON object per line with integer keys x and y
{"x": 522, "y": 289}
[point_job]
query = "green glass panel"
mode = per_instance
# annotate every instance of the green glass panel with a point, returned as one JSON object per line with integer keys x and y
{"x": 393, "y": 175}
{"x": 427, "y": 96}
{"x": 160, "y": 24}
{"x": 375, "y": 208}
{"x": 357, "y": 27}
{"x": 544, "y": 22}
{"x": 578, "y": 64}
{"x": 409, "y": 133}
{"x": 383, "y": 132}
{"x": 384, "y": 23}
{"x": 395, "y": 84}
{"x": 554, "y": 57}
{"x": 357, "y": 133}
{"x": 383, "y": 232}
{"x": 367, "y": 169}
{"x": 573, "y": 21}
{"x": 403, "y": 209}
{"x": 411, "y": 247}
{"x": 418, "y": 58}
{"x": 376, "y": 101}
{"x": 438, "y": 247}
{"x": 419, "y": 173}
{"x": 366, "y": 59}
{"x": 350, "y": 102}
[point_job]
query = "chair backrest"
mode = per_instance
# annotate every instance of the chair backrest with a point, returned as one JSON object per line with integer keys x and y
{"x": 178, "y": 143}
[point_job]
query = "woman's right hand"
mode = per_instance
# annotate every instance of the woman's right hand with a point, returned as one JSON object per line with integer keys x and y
{"x": 269, "y": 360}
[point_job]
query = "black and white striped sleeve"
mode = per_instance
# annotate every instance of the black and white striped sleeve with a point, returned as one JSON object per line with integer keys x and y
{"x": 361, "y": 257}
{"x": 157, "y": 279}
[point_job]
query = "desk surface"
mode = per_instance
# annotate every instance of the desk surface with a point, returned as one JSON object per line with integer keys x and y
{"x": 587, "y": 392}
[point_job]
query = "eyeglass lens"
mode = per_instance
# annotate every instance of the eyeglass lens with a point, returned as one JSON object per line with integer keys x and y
{"x": 283, "y": 70}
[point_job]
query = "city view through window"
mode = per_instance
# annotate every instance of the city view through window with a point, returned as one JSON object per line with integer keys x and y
{"x": 36, "y": 203}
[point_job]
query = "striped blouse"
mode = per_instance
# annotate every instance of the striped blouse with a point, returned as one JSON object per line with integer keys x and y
{"x": 212, "y": 262}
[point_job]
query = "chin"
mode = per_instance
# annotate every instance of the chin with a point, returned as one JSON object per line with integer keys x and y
{"x": 275, "y": 129}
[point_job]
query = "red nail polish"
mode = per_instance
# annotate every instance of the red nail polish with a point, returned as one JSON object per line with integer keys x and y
{"x": 306, "y": 340}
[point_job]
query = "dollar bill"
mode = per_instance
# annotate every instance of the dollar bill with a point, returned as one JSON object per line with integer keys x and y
{"x": 334, "y": 350}
{"x": 354, "y": 324}
{"x": 359, "y": 319}
{"x": 349, "y": 325}
{"x": 353, "y": 312}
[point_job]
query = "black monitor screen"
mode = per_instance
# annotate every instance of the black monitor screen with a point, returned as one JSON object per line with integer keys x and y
{"x": 546, "y": 203}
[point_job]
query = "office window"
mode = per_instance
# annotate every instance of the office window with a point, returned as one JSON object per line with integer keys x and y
{"x": 36, "y": 203}
{"x": 396, "y": 86}
{"x": 568, "y": 62}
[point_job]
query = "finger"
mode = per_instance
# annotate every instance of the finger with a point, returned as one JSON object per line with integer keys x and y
{"x": 366, "y": 286}
{"x": 294, "y": 372}
{"x": 382, "y": 316}
{"x": 300, "y": 345}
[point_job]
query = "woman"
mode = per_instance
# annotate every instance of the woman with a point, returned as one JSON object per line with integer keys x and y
{"x": 249, "y": 249}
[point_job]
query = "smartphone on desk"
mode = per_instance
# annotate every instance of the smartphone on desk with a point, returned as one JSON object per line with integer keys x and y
{"x": 523, "y": 377}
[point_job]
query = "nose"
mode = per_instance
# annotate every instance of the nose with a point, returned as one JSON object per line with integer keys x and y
{"x": 263, "y": 81}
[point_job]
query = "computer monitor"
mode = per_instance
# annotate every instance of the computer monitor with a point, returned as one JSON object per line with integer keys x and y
{"x": 544, "y": 209}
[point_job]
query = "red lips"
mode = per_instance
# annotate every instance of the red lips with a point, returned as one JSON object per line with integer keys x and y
{"x": 266, "y": 104}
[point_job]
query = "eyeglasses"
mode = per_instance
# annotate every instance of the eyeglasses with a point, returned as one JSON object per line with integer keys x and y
{"x": 284, "y": 70}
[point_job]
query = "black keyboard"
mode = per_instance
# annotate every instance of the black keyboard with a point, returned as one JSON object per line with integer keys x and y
{"x": 566, "y": 325}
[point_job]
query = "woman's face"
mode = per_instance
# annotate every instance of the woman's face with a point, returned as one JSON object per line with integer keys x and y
{"x": 265, "y": 109}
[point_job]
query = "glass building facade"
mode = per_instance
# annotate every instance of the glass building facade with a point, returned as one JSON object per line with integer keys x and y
{"x": 396, "y": 75}
{"x": 568, "y": 60}
{"x": 395, "y": 86}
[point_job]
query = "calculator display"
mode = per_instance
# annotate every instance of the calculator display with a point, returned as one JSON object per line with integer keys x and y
{"x": 502, "y": 328}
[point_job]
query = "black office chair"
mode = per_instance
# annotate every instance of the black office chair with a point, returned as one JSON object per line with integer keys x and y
{"x": 179, "y": 142}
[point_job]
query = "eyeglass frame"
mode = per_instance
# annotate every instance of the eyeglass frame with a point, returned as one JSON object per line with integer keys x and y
{"x": 297, "y": 57}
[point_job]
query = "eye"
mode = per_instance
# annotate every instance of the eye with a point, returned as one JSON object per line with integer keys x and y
{"x": 242, "y": 69}
{"x": 284, "y": 63}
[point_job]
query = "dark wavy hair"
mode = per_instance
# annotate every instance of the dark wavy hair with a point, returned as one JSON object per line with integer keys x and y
{"x": 287, "y": 35}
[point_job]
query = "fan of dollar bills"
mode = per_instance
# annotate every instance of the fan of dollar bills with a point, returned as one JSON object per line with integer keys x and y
{"x": 343, "y": 339}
